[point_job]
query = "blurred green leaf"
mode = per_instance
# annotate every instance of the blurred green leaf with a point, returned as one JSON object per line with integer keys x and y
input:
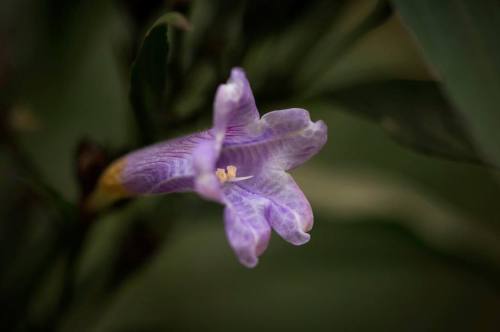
{"x": 273, "y": 54}
{"x": 75, "y": 90}
{"x": 415, "y": 113}
{"x": 357, "y": 20}
{"x": 354, "y": 193}
{"x": 386, "y": 52}
{"x": 346, "y": 272}
{"x": 359, "y": 144}
{"x": 460, "y": 38}
{"x": 312, "y": 43}
{"x": 149, "y": 75}
{"x": 35, "y": 225}
{"x": 216, "y": 34}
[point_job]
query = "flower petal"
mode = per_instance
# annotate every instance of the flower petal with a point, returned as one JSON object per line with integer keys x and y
{"x": 234, "y": 105}
{"x": 247, "y": 229}
{"x": 289, "y": 212}
{"x": 234, "y": 108}
{"x": 280, "y": 140}
{"x": 300, "y": 137}
{"x": 206, "y": 184}
{"x": 161, "y": 168}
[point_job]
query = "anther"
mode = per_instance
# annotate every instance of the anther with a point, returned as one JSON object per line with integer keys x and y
{"x": 221, "y": 174}
{"x": 231, "y": 172}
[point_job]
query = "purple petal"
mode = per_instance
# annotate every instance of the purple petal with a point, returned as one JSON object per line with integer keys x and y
{"x": 204, "y": 158}
{"x": 281, "y": 139}
{"x": 162, "y": 168}
{"x": 247, "y": 229}
{"x": 289, "y": 213}
{"x": 234, "y": 105}
{"x": 234, "y": 108}
{"x": 300, "y": 137}
{"x": 189, "y": 163}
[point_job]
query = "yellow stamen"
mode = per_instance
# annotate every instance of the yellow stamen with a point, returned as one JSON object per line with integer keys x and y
{"x": 231, "y": 172}
{"x": 228, "y": 174}
{"x": 221, "y": 174}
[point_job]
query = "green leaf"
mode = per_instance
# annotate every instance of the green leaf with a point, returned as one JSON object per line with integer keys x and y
{"x": 460, "y": 38}
{"x": 149, "y": 75}
{"x": 311, "y": 43}
{"x": 35, "y": 227}
{"x": 413, "y": 112}
{"x": 73, "y": 88}
{"x": 216, "y": 35}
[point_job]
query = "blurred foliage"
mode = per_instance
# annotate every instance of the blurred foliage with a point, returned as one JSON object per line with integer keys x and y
{"x": 413, "y": 112}
{"x": 148, "y": 75}
{"x": 407, "y": 237}
{"x": 471, "y": 74}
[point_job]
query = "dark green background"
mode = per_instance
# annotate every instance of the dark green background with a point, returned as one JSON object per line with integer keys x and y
{"x": 405, "y": 193}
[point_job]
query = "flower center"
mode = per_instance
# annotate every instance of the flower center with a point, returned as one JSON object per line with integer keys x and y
{"x": 229, "y": 174}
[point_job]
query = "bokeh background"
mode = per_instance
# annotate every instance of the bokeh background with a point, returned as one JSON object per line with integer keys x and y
{"x": 405, "y": 193}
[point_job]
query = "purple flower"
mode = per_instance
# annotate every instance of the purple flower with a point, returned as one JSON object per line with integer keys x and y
{"x": 242, "y": 163}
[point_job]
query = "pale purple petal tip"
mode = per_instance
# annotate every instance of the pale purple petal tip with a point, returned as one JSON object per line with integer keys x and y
{"x": 234, "y": 105}
{"x": 247, "y": 228}
{"x": 241, "y": 238}
{"x": 300, "y": 137}
{"x": 205, "y": 181}
{"x": 289, "y": 212}
{"x": 288, "y": 224}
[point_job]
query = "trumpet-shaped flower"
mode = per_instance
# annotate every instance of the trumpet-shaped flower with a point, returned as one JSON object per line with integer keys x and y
{"x": 241, "y": 162}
